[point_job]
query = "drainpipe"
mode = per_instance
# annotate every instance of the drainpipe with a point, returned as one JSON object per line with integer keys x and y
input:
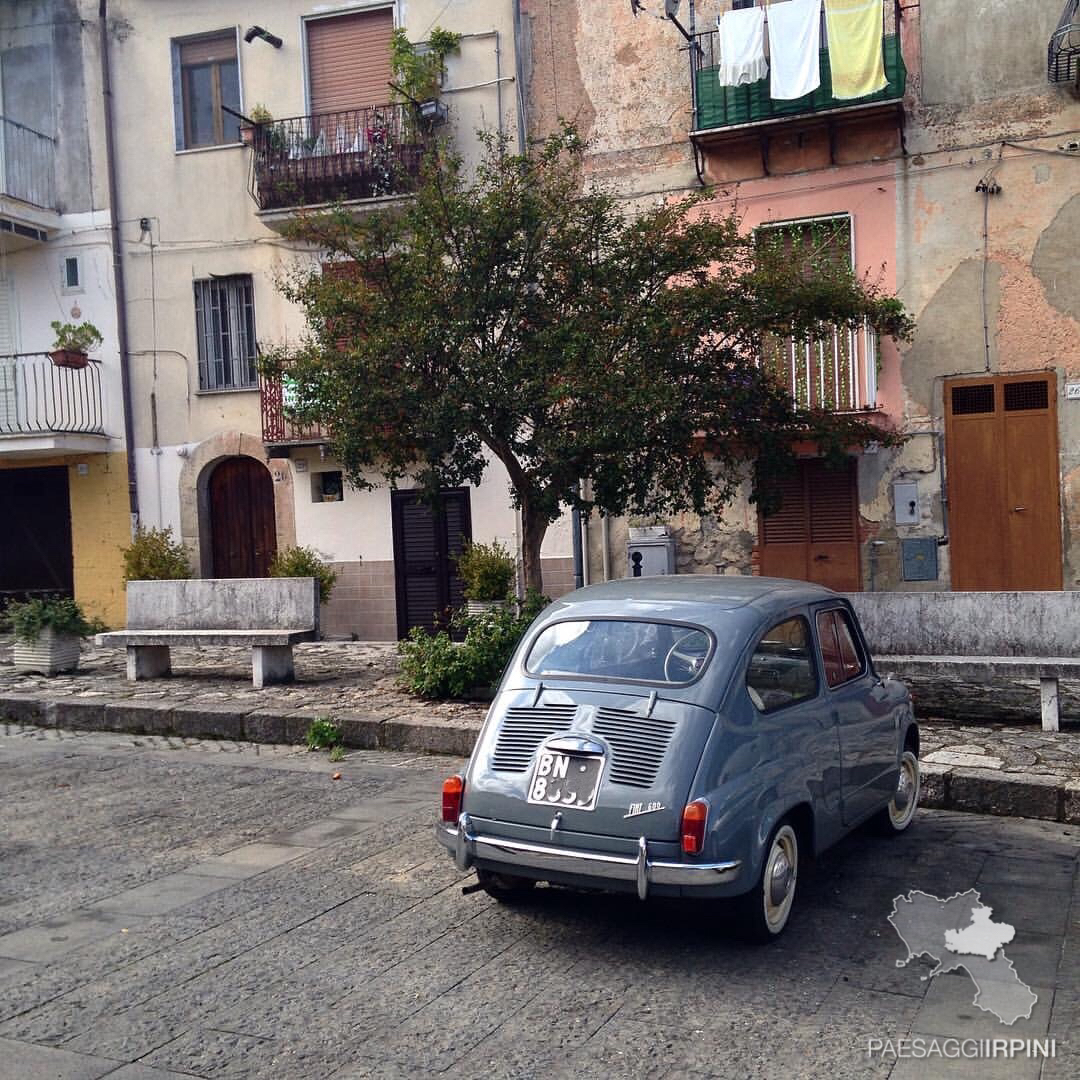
{"x": 519, "y": 78}
{"x": 575, "y": 530}
{"x": 605, "y": 543}
{"x": 118, "y": 267}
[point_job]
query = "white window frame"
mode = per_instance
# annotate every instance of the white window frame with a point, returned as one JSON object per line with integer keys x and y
{"x": 179, "y": 139}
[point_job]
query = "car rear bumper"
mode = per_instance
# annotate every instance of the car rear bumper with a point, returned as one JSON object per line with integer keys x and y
{"x": 469, "y": 847}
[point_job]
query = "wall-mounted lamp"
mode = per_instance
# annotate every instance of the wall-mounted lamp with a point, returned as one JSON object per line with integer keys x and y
{"x": 434, "y": 112}
{"x": 254, "y": 32}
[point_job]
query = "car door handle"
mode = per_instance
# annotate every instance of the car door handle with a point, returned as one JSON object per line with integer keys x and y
{"x": 821, "y": 558}
{"x": 1019, "y": 509}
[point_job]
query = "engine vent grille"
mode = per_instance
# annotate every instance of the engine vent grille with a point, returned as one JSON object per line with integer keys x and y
{"x": 523, "y": 730}
{"x": 638, "y": 744}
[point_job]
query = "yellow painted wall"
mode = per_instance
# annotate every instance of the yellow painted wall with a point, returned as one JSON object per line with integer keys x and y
{"x": 100, "y": 527}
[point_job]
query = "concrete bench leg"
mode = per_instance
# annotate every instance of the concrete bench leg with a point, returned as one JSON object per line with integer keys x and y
{"x": 147, "y": 662}
{"x": 1048, "y": 692}
{"x": 271, "y": 664}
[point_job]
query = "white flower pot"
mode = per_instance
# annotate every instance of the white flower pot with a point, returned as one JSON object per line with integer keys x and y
{"x": 51, "y": 654}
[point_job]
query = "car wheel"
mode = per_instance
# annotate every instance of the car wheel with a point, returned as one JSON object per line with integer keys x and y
{"x": 765, "y": 909}
{"x": 900, "y": 812}
{"x": 506, "y": 888}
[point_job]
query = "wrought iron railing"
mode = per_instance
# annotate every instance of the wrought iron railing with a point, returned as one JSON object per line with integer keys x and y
{"x": 279, "y": 427}
{"x": 27, "y": 164}
{"x": 1063, "y": 54}
{"x": 837, "y": 371}
{"x": 717, "y": 106}
{"x": 38, "y": 397}
{"x": 354, "y": 154}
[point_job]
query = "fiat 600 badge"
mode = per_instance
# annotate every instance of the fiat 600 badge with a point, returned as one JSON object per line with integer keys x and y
{"x": 684, "y": 736}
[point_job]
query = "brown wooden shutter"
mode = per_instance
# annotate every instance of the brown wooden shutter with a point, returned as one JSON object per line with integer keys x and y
{"x": 219, "y": 48}
{"x": 349, "y": 60}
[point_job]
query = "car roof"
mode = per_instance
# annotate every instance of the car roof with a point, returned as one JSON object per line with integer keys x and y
{"x": 724, "y": 591}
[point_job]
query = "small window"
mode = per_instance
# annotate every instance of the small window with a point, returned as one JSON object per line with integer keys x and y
{"x": 70, "y": 274}
{"x": 972, "y": 399}
{"x": 781, "y": 670}
{"x": 1027, "y": 395}
{"x": 327, "y": 486}
{"x": 840, "y": 652}
{"x": 225, "y": 328}
{"x": 208, "y": 78}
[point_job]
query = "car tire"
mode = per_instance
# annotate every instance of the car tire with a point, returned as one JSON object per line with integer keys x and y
{"x": 765, "y": 909}
{"x": 506, "y": 888}
{"x": 895, "y": 818}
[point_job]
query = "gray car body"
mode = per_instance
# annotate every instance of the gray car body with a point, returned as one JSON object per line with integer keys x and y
{"x": 827, "y": 762}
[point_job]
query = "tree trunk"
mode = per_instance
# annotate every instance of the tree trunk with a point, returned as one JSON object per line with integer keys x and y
{"x": 533, "y": 528}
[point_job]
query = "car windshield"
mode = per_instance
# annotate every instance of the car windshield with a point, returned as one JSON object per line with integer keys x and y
{"x": 621, "y": 649}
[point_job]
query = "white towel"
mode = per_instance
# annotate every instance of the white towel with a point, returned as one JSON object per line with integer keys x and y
{"x": 742, "y": 46}
{"x": 794, "y": 41}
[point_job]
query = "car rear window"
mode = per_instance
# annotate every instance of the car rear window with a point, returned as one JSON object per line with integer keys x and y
{"x": 628, "y": 649}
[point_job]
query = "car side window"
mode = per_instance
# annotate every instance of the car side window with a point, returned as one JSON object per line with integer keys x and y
{"x": 781, "y": 670}
{"x": 840, "y": 653}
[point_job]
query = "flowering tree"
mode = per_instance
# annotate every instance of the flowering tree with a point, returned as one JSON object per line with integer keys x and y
{"x": 521, "y": 314}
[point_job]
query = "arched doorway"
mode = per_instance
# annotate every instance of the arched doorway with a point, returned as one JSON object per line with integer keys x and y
{"x": 243, "y": 536}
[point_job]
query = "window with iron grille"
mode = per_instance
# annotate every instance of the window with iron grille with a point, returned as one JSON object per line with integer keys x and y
{"x": 225, "y": 327}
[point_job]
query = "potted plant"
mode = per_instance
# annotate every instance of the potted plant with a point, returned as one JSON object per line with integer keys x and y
{"x": 260, "y": 117}
{"x": 487, "y": 572}
{"x": 73, "y": 342}
{"x": 47, "y": 633}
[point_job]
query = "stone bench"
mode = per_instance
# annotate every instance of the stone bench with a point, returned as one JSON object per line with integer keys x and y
{"x": 983, "y": 638}
{"x": 268, "y": 615}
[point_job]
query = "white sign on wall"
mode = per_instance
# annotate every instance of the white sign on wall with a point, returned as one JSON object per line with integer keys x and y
{"x": 1072, "y": 391}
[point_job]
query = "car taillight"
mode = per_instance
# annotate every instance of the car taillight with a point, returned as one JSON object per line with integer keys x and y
{"x": 452, "y": 790}
{"x": 694, "y": 816}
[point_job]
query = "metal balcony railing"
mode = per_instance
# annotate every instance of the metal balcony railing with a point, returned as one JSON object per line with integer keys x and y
{"x": 1063, "y": 54}
{"x": 717, "y": 106}
{"x": 836, "y": 372}
{"x": 39, "y": 398}
{"x": 279, "y": 429}
{"x": 354, "y": 154}
{"x": 27, "y": 164}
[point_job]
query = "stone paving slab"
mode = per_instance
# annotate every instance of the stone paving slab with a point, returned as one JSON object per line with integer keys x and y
{"x": 989, "y": 768}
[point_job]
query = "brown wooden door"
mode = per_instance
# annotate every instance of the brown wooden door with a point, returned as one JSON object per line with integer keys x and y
{"x": 349, "y": 60}
{"x": 1003, "y": 486}
{"x": 814, "y": 535}
{"x": 427, "y": 541}
{"x": 242, "y": 528}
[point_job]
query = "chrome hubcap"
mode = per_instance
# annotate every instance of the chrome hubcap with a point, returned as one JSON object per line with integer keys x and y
{"x": 905, "y": 798}
{"x": 781, "y": 870}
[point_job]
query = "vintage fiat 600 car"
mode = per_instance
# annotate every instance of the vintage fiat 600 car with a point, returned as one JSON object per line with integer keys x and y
{"x": 684, "y": 736}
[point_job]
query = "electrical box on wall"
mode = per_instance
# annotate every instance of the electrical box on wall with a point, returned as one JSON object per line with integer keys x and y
{"x": 649, "y": 557}
{"x": 906, "y": 503}
{"x": 920, "y": 558}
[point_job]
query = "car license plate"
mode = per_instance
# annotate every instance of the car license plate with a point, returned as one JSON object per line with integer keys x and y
{"x": 565, "y": 780}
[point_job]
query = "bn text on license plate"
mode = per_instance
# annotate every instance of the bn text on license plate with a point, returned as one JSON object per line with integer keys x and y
{"x": 566, "y": 780}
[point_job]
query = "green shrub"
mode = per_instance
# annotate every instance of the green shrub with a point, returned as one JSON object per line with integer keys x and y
{"x": 487, "y": 571}
{"x": 323, "y": 733}
{"x": 29, "y": 618}
{"x": 154, "y": 556}
{"x": 304, "y": 562}
{"x": 434, "y": 666}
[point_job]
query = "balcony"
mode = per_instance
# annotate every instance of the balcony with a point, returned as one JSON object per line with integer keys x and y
{"x": 27, "y": 185}
{"x": 45, "y": 409}
{"x": 372, "y": 154}
{"x": 838, "y": 373}
{"x": 279, "y": 430}
{"x": 1063, "y": 54}
{"x": 722, "y": 112}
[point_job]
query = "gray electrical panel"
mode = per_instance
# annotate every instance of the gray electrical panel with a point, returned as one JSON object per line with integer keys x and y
{"x": 919, "y": 555}
{"x": 651, "y": 556}
{"x": 906, "y": 503}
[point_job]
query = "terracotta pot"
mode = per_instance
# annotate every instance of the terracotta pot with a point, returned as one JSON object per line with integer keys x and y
{"x": 70, "y": 358}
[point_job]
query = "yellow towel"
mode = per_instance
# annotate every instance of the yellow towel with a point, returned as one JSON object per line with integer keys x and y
{"x": 855, "y": 56}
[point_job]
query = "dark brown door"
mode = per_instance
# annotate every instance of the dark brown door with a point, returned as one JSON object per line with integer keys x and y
{"x": 242, "y": 529}
{"x": 814, "y": 535}
{"x": 1004, "y": 493}
{"x": 35, "y": 542}
{"x": 427, "y": 541}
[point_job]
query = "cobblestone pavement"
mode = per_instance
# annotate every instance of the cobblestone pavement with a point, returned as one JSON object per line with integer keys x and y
{"x": 214, "y": 909}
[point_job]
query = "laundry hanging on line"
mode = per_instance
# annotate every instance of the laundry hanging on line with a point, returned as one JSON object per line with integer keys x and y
{"x": 794, "y": 42}
{"x": 742, "y": 46}
{"x": 854, "y": 29}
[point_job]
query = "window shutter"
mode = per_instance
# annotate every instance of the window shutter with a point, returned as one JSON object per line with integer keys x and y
{"x": 219, "y": 48}
{"x": 832, "y": 505}
{"x": 349, "y": 60}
